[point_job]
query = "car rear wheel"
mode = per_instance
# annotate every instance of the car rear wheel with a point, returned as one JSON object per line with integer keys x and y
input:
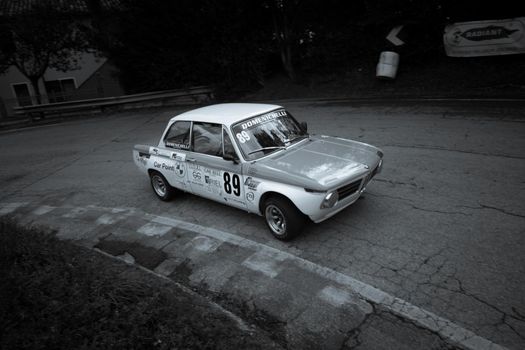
{"x": 284, "y": 220}
{"x": 161, "y": 187}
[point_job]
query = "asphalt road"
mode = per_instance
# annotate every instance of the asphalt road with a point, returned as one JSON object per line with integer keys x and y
{"x": 442, "y": 227}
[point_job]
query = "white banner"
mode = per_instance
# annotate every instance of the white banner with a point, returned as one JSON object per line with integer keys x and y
{"x": 485, "y": 38}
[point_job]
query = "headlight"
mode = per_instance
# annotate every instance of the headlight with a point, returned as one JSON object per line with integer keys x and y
{"x": 330, "y": 199}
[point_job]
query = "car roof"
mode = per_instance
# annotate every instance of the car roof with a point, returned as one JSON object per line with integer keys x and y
{"x": 226, "y": 113}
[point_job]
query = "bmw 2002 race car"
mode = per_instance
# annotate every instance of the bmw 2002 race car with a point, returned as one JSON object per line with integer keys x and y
{"x": 257, "y": 157}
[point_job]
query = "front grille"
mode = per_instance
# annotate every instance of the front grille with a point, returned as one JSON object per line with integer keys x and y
{"x": 349, "y": 189}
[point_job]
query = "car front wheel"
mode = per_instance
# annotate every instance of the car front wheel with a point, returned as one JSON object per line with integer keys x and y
{"x": 161, "y": 187}
{"x": 284, "y": 220}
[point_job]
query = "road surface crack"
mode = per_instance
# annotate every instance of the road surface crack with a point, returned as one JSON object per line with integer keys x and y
{"x": 352, "y": 339}
{"x": 440, "y": 211}
{"x": 388, "y": 196}
{"x": 501, "y": 210}
{"x": 504, "y": 315}
{"x": 393, "y": 182}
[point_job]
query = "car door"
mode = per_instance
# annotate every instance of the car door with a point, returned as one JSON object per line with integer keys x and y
{"x": 174, "y": 148}
{"x": 211, "y": 175}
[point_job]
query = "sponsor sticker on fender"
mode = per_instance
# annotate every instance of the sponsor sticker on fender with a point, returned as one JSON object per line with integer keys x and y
{"x": 178, "y": 156}
{"x": 251, "y": 184}
{"x": 142, "y": 160}
{"x": 164, "y": 166}
{"x": 160, "y": 152}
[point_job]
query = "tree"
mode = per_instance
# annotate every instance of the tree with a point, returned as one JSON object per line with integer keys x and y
{"x": 43, "y": 37}
{"x": 6, "y": 46}
{"x": 284, "y": 13}
{"x": 168, "y": 44}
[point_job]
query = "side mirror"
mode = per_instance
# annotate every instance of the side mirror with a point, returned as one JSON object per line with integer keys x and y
{"x": 304, "y": 126}
{"x": 231, "y": 157}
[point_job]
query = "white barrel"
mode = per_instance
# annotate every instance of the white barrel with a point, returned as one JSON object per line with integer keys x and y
{"x": 387, "y": 66}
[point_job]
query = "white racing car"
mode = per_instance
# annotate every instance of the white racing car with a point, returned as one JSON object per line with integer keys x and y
{"x": 257, "y": 157}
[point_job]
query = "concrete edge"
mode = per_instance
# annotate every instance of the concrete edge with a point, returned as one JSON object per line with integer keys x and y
{"x": 444, "y": 328}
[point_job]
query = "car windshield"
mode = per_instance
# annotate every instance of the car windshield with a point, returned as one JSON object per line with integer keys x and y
{"x": 267, "y": 133}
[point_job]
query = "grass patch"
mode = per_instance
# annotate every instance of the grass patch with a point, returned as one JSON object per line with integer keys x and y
{"x": 56, "y": 295}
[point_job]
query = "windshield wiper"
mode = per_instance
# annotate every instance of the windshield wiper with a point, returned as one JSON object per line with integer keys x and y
{"x": 265, "y": 148}
{"x": 297, "y": 137}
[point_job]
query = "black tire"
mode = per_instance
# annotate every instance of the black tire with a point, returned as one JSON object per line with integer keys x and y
{"x": 161, "y": 187}
{"x": 284, "y": 220}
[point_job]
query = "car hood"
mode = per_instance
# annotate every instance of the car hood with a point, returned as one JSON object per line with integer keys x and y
{"x": 321, "y": 163}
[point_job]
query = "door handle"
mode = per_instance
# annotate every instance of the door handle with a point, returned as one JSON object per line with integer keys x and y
{"x": 191, "y": 160}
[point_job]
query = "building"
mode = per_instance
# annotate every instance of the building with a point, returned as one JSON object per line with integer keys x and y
{"x": 95, "y": 78}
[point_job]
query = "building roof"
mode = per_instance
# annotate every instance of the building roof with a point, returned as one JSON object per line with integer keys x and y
{"x": 226, "y": 113}
{"x": 10, "y": 8}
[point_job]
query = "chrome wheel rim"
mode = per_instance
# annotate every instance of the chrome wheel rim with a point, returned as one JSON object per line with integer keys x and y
{"x": 158, "y": 185}
{"x": 275, "y": 219}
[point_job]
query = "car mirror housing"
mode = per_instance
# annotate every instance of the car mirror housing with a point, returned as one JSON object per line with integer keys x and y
{"x": 304, "y": 126}
{"x": 231, "y": 157}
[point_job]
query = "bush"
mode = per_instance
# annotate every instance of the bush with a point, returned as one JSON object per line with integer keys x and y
{"x": 55, "y": 295}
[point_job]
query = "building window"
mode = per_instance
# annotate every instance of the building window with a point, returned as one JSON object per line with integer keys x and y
{"x": 60, "y": 90}
{"x": 22, "y": 94}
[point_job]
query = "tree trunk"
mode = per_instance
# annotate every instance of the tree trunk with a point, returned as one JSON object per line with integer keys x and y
{"x": 285, "y": 40}
{"x": 287, "y": 59}
{"x": 36, "y": 88}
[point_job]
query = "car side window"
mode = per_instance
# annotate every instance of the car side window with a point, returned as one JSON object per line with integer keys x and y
{"x": 178, "y": 136}
{"x": 207, "y": 138}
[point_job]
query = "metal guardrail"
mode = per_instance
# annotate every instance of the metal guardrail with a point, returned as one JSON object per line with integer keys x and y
{"x": 193, "y": 95}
